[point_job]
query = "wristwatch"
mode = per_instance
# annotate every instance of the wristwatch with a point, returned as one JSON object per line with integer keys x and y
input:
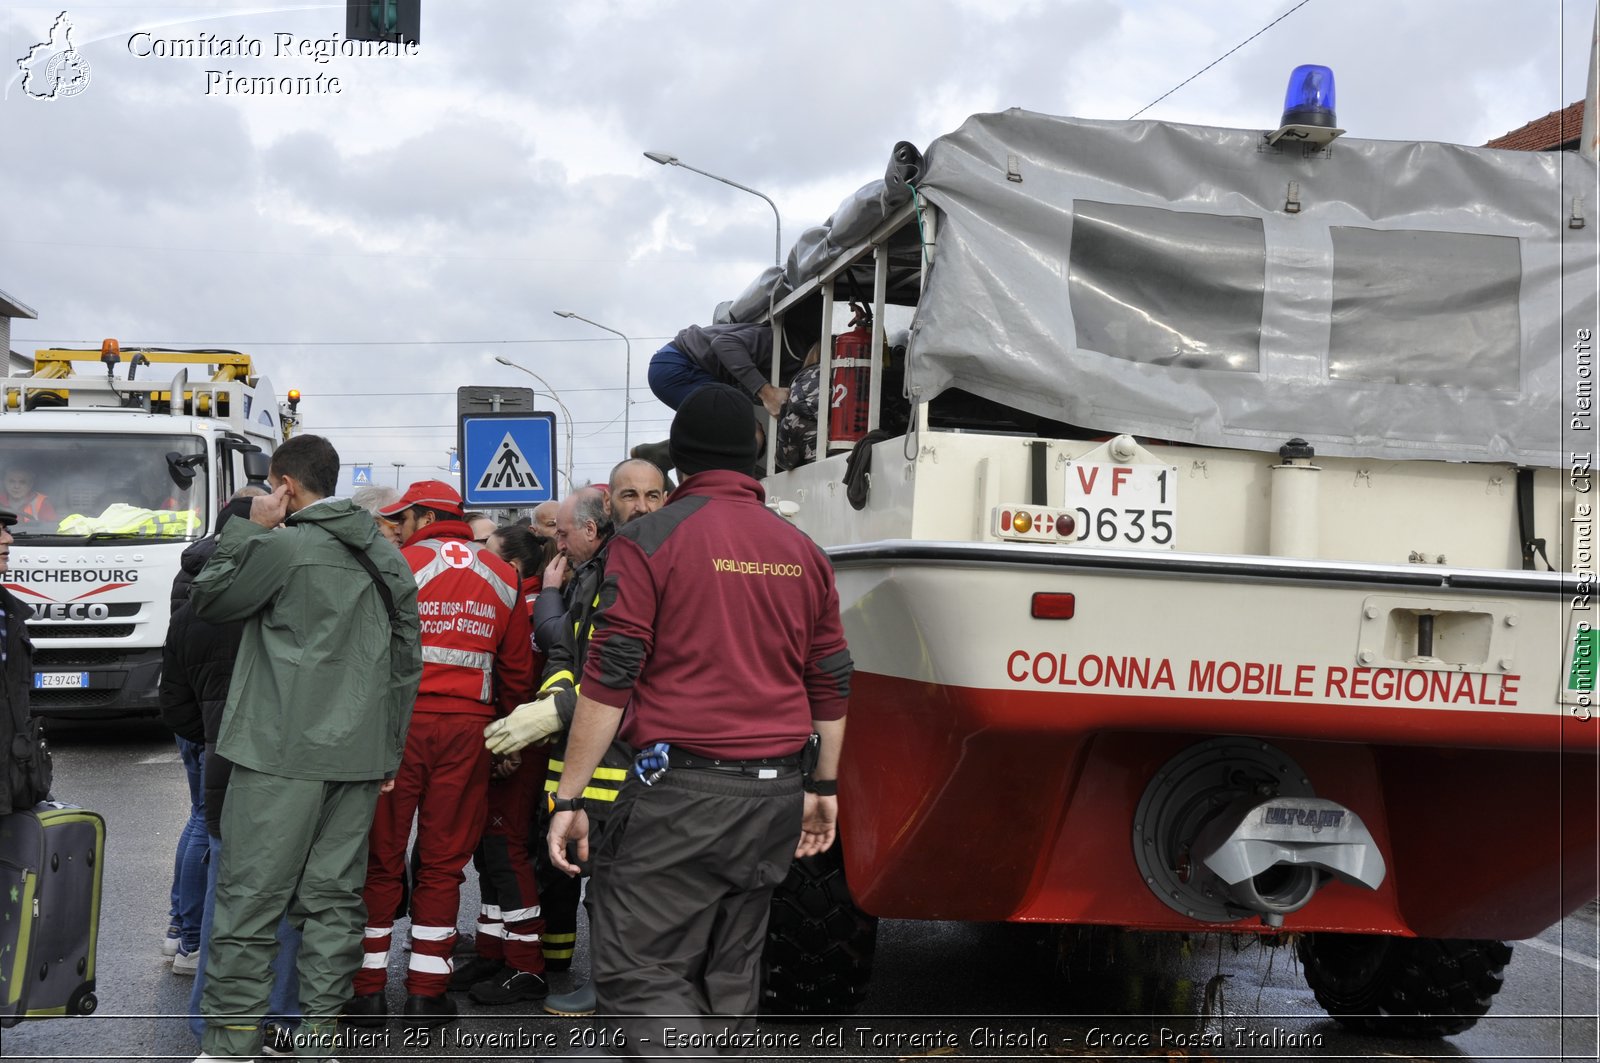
{"x": 565, "y": 804}
{"x": 822, "y": 787}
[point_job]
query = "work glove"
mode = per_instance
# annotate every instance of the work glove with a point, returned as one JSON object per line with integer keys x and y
{"x": 527, "y": 724}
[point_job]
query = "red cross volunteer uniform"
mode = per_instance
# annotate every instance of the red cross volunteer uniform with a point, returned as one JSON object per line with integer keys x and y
{"x": 477, "y": 663}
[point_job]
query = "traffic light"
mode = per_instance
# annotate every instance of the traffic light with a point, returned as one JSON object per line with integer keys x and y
{"x": 382, "y": 20}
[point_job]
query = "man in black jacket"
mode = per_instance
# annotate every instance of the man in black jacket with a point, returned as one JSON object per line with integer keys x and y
{"x": 583, "y": 527}
{"x": 197, "y": 665}
{"x": 27, "y": 782}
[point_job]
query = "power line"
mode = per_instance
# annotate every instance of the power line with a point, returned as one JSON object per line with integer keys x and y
{"x": 1218, "y": 59}
{"x": 602, "y": 429}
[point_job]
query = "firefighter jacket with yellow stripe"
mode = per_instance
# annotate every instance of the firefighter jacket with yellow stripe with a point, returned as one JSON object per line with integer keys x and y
{"x": 477, "y": 653}
{"x": 564, "y": 666}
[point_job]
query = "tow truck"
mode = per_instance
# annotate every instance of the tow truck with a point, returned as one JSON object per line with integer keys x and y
{"x": 116, "y": 475}
{"x": 1234, "y": 570}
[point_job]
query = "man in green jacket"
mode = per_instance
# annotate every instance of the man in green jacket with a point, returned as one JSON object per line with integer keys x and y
{"x": 315, "y": 722}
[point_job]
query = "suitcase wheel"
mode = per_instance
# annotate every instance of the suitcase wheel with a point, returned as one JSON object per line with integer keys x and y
{"x": 83, "y": 1001}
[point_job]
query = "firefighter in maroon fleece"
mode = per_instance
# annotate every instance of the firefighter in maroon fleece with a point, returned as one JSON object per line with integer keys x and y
{"x": 477, "y": 663}
{"x": 718, "y": 631}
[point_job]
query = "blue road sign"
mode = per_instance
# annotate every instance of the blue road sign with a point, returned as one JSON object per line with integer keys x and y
{"x": 507, "y": 459}
{"x": 455, "y": 463}
{"x": 361, "y": 476}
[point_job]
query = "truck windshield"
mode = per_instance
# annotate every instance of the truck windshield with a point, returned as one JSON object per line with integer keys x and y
{"x": 104, "y": 486}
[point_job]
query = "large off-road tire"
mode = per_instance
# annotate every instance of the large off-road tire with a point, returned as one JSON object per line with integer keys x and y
{"x": 1404, "y": 987}
{"x": 818, "y": 958}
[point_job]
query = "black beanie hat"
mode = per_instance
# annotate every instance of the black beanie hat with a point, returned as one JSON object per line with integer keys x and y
{"x": 715, "y": 428}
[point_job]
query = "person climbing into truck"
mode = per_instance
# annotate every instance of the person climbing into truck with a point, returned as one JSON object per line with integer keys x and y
{"x": 736, "y": 354}
{"x": 705, "y": 354}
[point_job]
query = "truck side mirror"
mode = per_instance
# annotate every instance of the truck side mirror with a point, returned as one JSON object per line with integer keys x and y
{"x": 256, "y": 466}
{"x": 181, "y": 468}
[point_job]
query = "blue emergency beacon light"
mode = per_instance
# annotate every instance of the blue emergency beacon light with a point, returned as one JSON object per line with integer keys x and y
{"x": 1308, "y": 108}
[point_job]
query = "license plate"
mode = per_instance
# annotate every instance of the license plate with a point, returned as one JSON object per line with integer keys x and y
{"x": 1123, "y": 505}
{"x": 60, "y": 680}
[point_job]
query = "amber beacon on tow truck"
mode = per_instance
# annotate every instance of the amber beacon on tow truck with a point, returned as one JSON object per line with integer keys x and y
{"x": 114, "y": 474}
{"x": 1209, "y": 546}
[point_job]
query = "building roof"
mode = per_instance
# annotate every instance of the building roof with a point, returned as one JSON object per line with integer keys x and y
{"x": 1556, "y": 131}
{"x": 10, "y": 307}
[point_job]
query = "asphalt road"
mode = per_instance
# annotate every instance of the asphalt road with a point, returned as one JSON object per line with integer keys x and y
{"x": 974, "y": 991}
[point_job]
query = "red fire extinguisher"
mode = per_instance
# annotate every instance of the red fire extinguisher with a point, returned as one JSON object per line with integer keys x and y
{"x": 852, "y": 371}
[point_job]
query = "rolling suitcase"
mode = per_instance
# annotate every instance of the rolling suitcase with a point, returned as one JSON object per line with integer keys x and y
{"x": 51, "y": 863}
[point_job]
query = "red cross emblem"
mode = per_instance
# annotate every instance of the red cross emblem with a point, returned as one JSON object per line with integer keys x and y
{"x": 457, "y": 555}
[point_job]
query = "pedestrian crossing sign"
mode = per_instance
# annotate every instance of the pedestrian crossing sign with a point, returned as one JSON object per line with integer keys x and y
{"x": 507, "y": 459}
{"x": 361, "y": 476}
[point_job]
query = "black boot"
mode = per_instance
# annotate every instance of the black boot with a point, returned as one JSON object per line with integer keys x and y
{"x": 511, "y": 987}
{"x": 429, "y": 1011}
{"x": 366, "y": 1009}
{"x": 468, "y": 974}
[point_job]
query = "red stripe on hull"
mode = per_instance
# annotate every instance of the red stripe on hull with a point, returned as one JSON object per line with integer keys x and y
{"x": 973, "y": 804}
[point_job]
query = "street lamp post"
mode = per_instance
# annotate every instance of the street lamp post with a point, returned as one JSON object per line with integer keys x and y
{"x": 667, "y": 159}
{"x": 550, "y": 391}
{"x": 627, "y": 379}
{"x": 398, "y": 465}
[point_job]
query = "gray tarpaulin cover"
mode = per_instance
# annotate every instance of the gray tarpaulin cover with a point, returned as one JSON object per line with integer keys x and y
{"x": 1152, "y": 278}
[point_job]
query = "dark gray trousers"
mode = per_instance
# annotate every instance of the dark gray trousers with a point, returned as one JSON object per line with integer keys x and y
{"x": 683, "y": 882}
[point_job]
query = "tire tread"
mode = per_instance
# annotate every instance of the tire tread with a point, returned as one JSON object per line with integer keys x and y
{"x": 818, "y": 957}
{"x": 1404, "y": 987}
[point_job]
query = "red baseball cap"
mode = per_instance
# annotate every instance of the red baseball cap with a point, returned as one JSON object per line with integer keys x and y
{"x": 434, "y": 494}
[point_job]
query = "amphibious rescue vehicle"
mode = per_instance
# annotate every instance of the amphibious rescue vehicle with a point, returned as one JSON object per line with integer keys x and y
{"x": 1233, "y": 568}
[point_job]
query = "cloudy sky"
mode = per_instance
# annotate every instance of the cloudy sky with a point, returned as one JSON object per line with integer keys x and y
{"x": 379, "y": 246}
